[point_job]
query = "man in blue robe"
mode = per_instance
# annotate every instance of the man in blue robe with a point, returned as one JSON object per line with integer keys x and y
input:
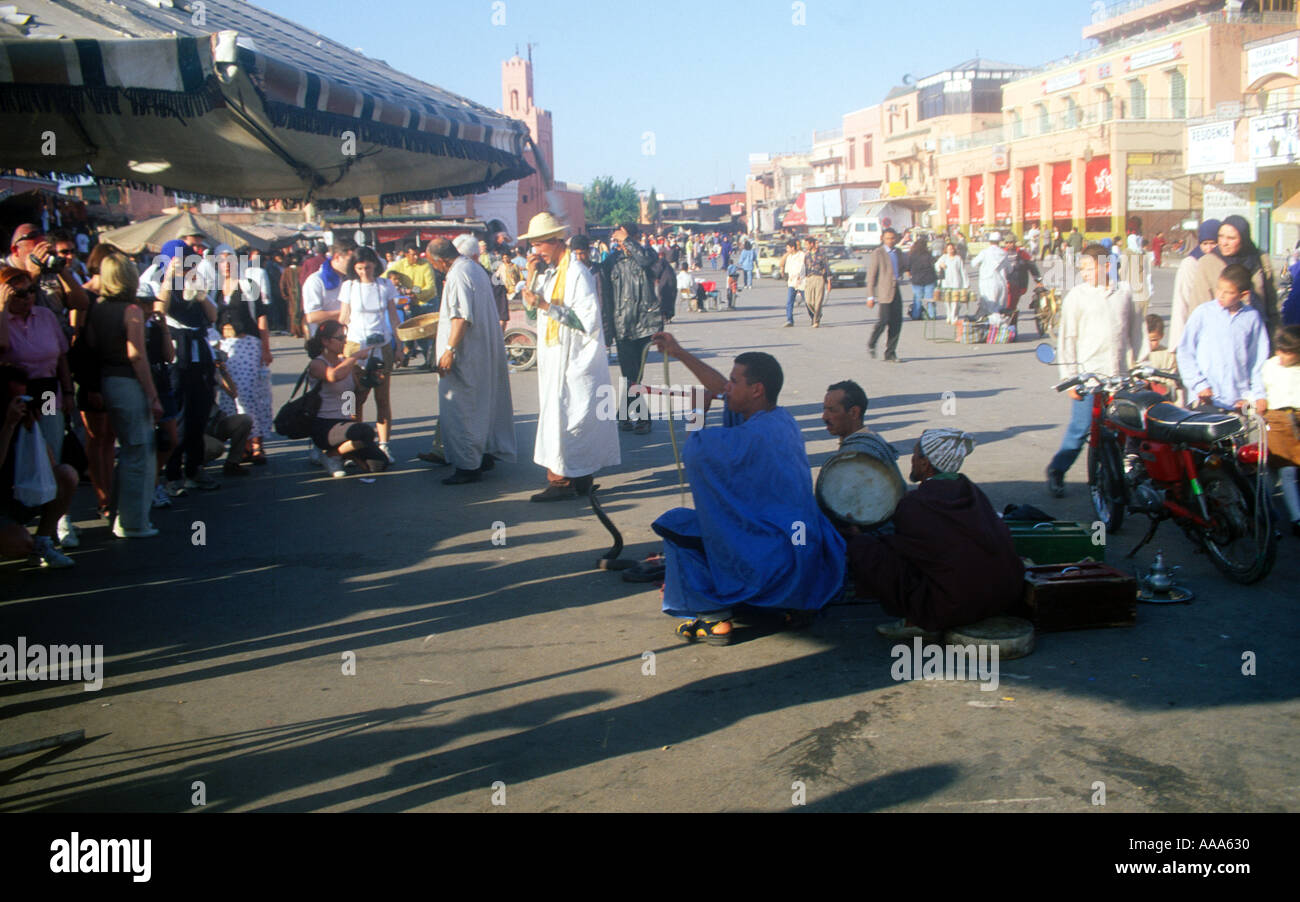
{"x": 756, "y": 536}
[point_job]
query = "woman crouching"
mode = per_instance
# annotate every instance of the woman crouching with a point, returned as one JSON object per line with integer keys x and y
{"x": 336, "y": 429}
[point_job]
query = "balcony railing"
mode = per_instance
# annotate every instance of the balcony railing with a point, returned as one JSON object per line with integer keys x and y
{"x": 1119, "y": 109}
{"x": 1110, "y": 10}
{"x": 1218, "y": 17}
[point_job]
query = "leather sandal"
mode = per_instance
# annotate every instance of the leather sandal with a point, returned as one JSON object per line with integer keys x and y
{"x": 694, "y": 630}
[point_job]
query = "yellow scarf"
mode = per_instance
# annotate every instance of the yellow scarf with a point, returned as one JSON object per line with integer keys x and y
{"x": 557, "y": 297}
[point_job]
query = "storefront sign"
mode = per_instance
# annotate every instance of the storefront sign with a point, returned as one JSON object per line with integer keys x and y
{"x": 1240, "y": 174}
{"x": 1063, "y": 81}
{"x": 1278, "y": 58}
{"x": 1154, "y": 55}
{"x": 1219, "y": 202}
{"x": 1099, "y": 189}
{"x": 1031, "y": 182}
{"x": 1002, "y": 196}
{"x": 1209, "y": 147}
{"x": 1062, "y": 191}
{"x": 453, "y": 207}
{"x": 1150, "y": 194}
{"x": 976, "y": 205}
{"x": 1275, "y": 139}
{"x": 954, "y": 201}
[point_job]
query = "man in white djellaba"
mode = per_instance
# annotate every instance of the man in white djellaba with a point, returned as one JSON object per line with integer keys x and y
{"x": 990, "y": 268}
{"x": 475, "y": 413}
{"x": 573, "y": 439}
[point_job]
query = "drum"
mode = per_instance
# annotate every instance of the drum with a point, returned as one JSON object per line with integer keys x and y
{"x": 417, "y": 327}
{"x": 861, "y": 484}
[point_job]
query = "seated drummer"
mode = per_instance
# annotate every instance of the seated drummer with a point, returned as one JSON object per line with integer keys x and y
{"x": 756, "y": 536}
{"x": 950, "y": 560}
{"x": 843, "y": 410}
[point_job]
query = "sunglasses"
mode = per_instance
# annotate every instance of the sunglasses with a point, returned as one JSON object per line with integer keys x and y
{"x": 28, "y": 292}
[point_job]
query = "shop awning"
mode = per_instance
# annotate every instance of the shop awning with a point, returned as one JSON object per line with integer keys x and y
{"x": 235, "y": 103}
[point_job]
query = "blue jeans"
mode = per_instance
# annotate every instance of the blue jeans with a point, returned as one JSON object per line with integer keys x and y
{"x": 128, "y": 410}
{"x": 922, "y": 293}
{"x": 789, "y": 303}
{"x": 1076, "y": 435}
{"x": 749, "y": 277}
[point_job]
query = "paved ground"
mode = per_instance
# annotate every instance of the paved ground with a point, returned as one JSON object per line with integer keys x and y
{"x": 519, "y": 663}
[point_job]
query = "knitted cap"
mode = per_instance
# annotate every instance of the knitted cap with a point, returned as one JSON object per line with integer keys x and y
{"x": 946, "y": 448}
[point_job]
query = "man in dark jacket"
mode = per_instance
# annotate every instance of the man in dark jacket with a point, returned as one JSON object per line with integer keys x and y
{"x": 950, "y": 560}
{"x": 1019, "y": 266}
{"x": 632, "y": 314}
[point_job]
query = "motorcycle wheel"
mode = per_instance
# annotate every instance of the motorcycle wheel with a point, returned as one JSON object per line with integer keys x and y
{"x": 1106, "y": 482}
{"x": 1230, "y": 542}
{"x": 521, "y": 350}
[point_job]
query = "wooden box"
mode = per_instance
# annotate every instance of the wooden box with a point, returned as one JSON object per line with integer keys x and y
{"x": 1078, "y": 596}
{"x": 1055, "y": 541}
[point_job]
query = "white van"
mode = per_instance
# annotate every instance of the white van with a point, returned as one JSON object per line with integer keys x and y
{"x": 862, "y": 229}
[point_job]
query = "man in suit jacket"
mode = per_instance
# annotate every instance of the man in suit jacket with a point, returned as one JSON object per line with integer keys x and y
{"x": 884, "y": 268}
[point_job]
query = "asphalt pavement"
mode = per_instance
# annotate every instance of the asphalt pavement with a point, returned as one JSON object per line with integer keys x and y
{"x": 397, "y": 644}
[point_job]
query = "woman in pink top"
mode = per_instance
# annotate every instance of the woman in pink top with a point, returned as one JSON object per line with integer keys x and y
{"x": 32, "y": 338}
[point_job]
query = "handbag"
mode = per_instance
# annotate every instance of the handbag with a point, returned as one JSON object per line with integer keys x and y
{"x": 295, "y": 418}
{"x": 34, "y": 483}
{"x": 74, "y": 453}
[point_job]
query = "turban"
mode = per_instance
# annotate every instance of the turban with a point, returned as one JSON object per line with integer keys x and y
{"x": 467, "y": 244}
{"x": 945, "y": 449}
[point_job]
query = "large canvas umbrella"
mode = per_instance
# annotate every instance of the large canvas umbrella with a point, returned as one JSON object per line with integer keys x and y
{"x": 227, "y": 100}
{"x": 152, "y": 234}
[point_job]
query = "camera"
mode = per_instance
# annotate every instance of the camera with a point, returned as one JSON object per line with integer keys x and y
{"x": 52, "y": 262}
{"x": 372, "y": 374}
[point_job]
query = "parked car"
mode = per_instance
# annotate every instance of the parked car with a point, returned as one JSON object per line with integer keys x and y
{"x": 845, "y": 268}
{"x": 769, "y": 255}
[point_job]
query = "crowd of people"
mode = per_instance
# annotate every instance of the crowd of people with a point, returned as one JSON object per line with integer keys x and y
{"x": 155, "y": 373}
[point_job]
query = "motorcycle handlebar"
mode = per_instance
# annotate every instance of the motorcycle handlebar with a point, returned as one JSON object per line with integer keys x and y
{"x": 1068, "y": 383}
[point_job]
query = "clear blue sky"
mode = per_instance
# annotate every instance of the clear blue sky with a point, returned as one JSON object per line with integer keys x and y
{"x": 714, "y": 81}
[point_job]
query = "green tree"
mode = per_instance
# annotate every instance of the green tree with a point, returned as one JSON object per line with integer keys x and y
{"x": 606, "y": 203}
{"x": 652, "y": 207}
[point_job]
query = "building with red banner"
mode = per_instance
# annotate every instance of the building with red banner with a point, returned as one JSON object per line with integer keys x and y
{"x": 1098, "y": 141}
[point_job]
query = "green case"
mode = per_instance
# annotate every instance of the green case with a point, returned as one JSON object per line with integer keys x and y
{"x": 1054, "y": 542}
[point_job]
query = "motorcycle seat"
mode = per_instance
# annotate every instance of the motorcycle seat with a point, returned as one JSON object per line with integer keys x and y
{"x": 1167, "y": 422}
{"x": 1128, "y": 408}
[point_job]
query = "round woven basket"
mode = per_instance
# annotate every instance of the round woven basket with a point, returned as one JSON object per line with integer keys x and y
{"x": 417, "y": 327}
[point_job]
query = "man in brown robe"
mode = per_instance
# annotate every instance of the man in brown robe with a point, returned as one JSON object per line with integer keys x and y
{"x": 950, "y": 560}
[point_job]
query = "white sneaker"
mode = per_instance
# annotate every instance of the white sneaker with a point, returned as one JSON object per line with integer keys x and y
{"x": 69, "y": 536}
{"x": 123, "y": 533}
{"x": 383, "y": 446}
{"x": 49, "y": 555}
{"x": 161, "y": 498}
{"x": 314, "y": 456}
{"x": 334, "y": 466}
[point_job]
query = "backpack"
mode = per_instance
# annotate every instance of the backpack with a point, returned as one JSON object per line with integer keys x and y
{"x": 294, "y": 420}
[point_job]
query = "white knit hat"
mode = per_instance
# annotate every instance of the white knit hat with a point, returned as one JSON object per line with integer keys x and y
{"x": 946, "y": 448}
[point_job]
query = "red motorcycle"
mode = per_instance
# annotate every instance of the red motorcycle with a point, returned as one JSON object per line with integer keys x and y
{"x": 1148, "y": 456}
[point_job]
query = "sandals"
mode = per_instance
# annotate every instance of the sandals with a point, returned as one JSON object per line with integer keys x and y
{"x": 650, "y": 570}
{"x": 694, "y": 630}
